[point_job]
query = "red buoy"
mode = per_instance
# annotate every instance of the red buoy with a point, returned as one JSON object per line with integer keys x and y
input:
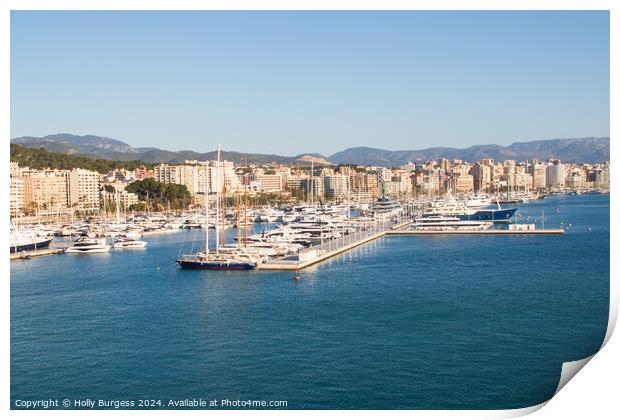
{"x": 296, "y": 277}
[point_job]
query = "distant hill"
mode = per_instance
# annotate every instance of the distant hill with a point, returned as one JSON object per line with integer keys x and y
{"x": 589, "y": 149}
{"x": 107, "y": 148}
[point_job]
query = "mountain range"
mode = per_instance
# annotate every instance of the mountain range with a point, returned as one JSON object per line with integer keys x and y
{"x": 588, "y": 149}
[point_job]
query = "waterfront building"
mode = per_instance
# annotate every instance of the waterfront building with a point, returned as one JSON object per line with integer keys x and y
{"x": 294, "y": 182}
{"x": 336, "y": 186}
{"x": 462, "y": 183}
{"x": 365, "y": 184}
{"x": 601, "y": 177}
{"x": 576, "y": 179}
{"x": 272, "y": 183}
{"x": 200, "y": 176}
{"x": 313, "y": 188}
{"x": 84, "y": 189}
{"x": 124, "y": 198}
{"x": 482, "y": 175}
{"x": 555, "y": 175}
{"x": 45, "y": 190}
{"x": 539, "y": 176}
{"x": 168, "y": 174}
{"x": 16, "y": 190}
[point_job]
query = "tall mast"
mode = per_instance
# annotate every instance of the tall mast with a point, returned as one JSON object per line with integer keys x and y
{"x": 312, "y": 182}
{"x": 224, "y": 215}
{"x": 237, "y": 205}
{"x": 207, "y": 191}
{"x": 118, "y": 208}
{"x": 245, "y": 219}
{"x": 217, "y": 203}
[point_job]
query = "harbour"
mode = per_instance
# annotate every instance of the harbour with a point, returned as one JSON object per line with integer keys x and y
{"x": 441, "y": 306}
{"x": 298, "y": 237}
{"x": 307, "y": 209}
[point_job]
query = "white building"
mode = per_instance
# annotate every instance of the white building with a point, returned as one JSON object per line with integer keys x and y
{"x": 84, "y": 189}
{"x": 336, "y": 186}
{"x": 16, "y": 198}
{"x": 555, "y": 175}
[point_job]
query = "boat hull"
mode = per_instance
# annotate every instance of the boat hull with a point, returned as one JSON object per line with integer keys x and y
{"x": 201, "y": 265}
{"x": 502, "y": 215}
{"x": 29, "y": 247}
{"x": 98, "y": 250}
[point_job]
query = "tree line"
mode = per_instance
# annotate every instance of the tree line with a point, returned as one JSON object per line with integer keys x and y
{"x": 40, "y": 158}
{"x": 158, "y": 195}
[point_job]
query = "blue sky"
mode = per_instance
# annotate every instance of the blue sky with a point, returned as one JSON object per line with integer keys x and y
{"x": 294, "y": 82}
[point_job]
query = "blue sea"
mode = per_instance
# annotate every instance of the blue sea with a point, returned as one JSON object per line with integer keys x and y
{"x": 405, "y": 322}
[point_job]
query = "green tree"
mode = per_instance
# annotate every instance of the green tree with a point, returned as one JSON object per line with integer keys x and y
{"x": 159, "y": 195}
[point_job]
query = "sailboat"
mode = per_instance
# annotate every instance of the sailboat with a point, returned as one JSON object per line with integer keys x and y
{"x": 207, "y": 260}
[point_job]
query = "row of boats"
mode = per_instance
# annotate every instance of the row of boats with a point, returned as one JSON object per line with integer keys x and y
{"x": 296, "y": 228}
{"x": 451, "y": 214}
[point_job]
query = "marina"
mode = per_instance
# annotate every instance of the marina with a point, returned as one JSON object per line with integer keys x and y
{"x": 426, "y": 302}
{"x": 298, "y": 238}
{"x": 307, "y": 208}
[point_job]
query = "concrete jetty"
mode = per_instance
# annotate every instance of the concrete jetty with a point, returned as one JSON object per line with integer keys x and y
{"x": 39, "y": 252}
{"x": 477, "y": 232}
{"x": 293, "y": 263}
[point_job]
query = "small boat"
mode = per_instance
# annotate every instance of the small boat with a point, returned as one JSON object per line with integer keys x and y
{"x": 133, "y": 234}
{"x": 86, "y": 245}
{"x": 129, "y": 244}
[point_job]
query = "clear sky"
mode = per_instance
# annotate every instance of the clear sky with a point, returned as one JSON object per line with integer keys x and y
{"x": 294, "y": 82}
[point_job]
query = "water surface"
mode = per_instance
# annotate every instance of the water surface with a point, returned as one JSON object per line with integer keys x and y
{"x": 440, "y": 322}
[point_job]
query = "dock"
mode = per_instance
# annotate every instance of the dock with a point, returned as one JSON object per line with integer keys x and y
{"x": 477, "y": 232}
{"x": 293, "y": 263}
{"x": 289, "y": 263}
{"x": 38, "y": 253}
{"x": 285, "y": 263}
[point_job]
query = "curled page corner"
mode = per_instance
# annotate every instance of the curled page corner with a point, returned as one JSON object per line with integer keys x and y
{"x": 613, "y": 316}
{"x": 518, "y": 412}
{"x": 569, "y": 370}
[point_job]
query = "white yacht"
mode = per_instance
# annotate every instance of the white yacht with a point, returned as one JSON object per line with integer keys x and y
{"x": 86, "y": 245}
{"x": 23, "y": 240}
{"x": 385, "y": 207}
{"x": 127, "y": 243}
{"x": 479, "y": 201}
{"x": 446, "y": 223}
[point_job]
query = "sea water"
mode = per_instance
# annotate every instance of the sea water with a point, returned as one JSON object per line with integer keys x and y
{"x": 404, "y": 322}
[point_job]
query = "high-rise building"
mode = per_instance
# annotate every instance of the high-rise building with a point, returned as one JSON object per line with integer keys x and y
{"x": 84, "y": 189}
{"x": 539, "y": 176}
{"x": 270, "y": 182}
{"x": 336, "y": 186}
{"x": 482, "y": 176}
{"x": 555, "y": 175}
{"x": 45, "y": 190}
{"x": 16, "y": 198}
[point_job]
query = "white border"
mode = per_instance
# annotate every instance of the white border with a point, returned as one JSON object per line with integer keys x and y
{"x": 594, "y": 394}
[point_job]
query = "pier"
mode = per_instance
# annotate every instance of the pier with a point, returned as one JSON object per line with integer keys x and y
{"x": 478, "y": 232}
{"x": 38, "y": 253}
{"x": 325, "y": 251}
{"x": 331, "y": 248}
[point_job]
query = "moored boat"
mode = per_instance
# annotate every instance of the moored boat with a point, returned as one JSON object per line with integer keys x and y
{"x": 28, "y": 242}
{"x": 86, "y": 245}
{"x": 129, "y": 244}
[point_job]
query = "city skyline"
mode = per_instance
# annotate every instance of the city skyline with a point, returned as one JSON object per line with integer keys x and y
{"x": 391, "y": 80}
